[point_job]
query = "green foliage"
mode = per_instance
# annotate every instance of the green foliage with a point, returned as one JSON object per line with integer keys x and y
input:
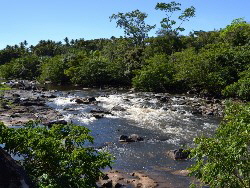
{"x": 224, "y": 159}
{"x": 241, "y": 88}
{"x": 212, "y": 68}
{"x": 52, "y": 69}
{"x": 56, "y": 157}
{"x": 156, "y": 76}
{"x": 134, "y": 25}
{"x": 167, "y": 23}
{"x": 238, "y": 33}
{"x": 25, "y": 67}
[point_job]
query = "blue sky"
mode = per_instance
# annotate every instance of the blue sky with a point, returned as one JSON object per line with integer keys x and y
{"x": 35, "y": 20}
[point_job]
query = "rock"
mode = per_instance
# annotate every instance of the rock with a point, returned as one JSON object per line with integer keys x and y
{"x": 97, "y": 115}
{"x": 12, "y": 175}
{"x": 108, "y": 184}
{"x": 118, "y": 185}
{"x": 178, "y": 154}
{"x": 124, "y": 138}
{"x": 105, "y": 177}
{"x": 91, "y": 99}
{"x": 85, "y": 101}
{"x": 99, "y": 111}
{"x": 118, "y": 108}
{"x": 196, "y": 111}
{"x": 131, "y": 138}
{"x": 135, "y": 138}
{"x": 51, "y": 123}
{"x": 81, "y": 101}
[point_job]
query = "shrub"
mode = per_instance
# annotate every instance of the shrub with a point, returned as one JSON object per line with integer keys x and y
{"x": 240, "y": 89}
{"x": 156, "y": 76}
{"x": 224, "y": 159}
{"x": 56, "y": 157}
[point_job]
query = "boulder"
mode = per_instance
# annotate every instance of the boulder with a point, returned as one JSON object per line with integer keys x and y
{"x": 12, "y": 174}
{"x": 118, "y": 108}
{"x": 178, "y": 154}
{"x": 131, "y": 138}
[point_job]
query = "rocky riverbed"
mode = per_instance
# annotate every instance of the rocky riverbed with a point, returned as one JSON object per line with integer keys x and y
{"x": 143, "y": 130}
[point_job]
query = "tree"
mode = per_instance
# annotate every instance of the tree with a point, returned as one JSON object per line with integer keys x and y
{"x": 56, "y": 157}
{"x": 224, "y": 159}
{"x": 167, "y": 23}
{"x": 134, "y": 25}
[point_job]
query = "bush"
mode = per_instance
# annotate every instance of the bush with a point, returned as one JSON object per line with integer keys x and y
{"x": 52, "y": 70}
{"x": 56, "y": 157}
{"x": 212, "y": 68}
{"x": 156, "y": 76}
{"x": 241, "y": 88}
{"x": 224, "y": 159}
{"x": 26, "y": 67}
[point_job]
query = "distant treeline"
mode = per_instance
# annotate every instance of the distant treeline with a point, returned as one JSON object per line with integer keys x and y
{"x": 214, "y": 62}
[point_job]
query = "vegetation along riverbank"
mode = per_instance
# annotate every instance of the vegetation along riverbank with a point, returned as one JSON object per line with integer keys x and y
{"x": 211, "y": 66}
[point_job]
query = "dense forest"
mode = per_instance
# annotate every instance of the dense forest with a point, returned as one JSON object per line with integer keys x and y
{"x": 208, "y": 62}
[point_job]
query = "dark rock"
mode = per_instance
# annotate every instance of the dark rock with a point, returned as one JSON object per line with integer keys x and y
{"x": 97, "y": 115}
{"x": 51, "y": 123}
{"x": 178, "y": 154}
{"x": 124, "y": 138}
{"x": 118, "y": 185}
{"x": 196, "y": 111}
{"x": 91, "y": 99}
{"x": 105, "y": 177}
{"x": 131, "y": 138}
{"x": 14, "y": 115}
{"x": 81, "y": 101}
{"x": 164, "y": 99}
{"x": 118, "y": 108}
{"x": 108, "y": 184}
{"x": 51, "y": 96}
{"x": 99, "y": 111}
{"x": 135, "y": 138}
{"x": 15, "y": 95}
{"x": 12, "y": 175}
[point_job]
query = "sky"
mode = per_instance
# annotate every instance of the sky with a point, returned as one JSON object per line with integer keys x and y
{"x": 35, "y": 20}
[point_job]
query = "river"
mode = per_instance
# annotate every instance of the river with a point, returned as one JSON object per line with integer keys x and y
{"x": 164, "y": 124}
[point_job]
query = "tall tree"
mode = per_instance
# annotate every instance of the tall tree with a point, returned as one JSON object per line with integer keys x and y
{"x": 167, "y": 23}
{"x": 134, "y": 25}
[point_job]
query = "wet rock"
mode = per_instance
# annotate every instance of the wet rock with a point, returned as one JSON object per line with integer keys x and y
{"x": 118, "y": 108}
{"x": 99, "y": 111}
{"x": 124, "y": 138}
{"x": 51, "y": 123}
{"x": 108, "y": 184}
{"x": 135, "y": 138}
{"x": 91, "y": 99}
{"x": 131, "y": 138}
{"x": 178, "y": 154}
{"x": 97, "y": 115}
{"x": 85, "y": 100}
{"x": 31, "y": 102}
{"x": 164, "y": 99}
{"x": 196, "y": 112}
{"x": 82, "y": 101}
{"x": 118, "y": 185}
{"x": 105, "y": 177}
{"x": 15, "y": 95}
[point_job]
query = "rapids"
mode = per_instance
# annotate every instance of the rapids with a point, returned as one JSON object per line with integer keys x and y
{"x": 164, "y": 125}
